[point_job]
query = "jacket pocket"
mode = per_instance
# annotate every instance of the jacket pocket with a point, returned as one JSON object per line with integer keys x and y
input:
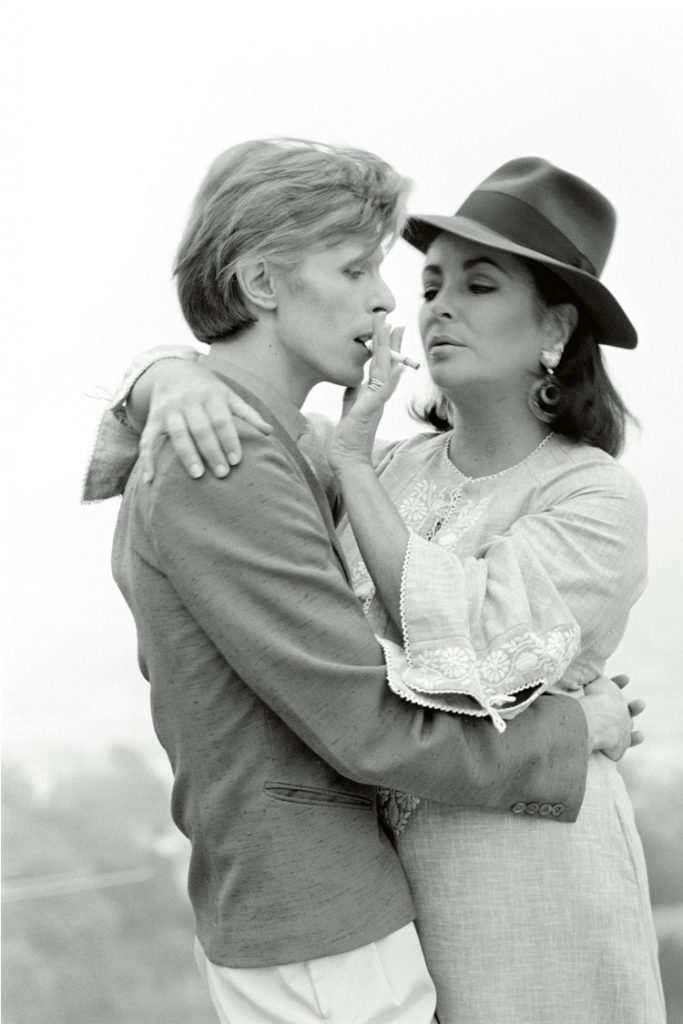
{"x": 313, "y": 795}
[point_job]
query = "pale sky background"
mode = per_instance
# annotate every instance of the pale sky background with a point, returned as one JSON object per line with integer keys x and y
{"x": 112, "y": 114}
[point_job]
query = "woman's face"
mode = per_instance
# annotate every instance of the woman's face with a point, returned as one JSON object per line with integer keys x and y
{"x": 483, "y": 324}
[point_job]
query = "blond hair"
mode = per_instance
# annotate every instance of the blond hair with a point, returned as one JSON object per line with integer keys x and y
{"x": 273, "y": 199}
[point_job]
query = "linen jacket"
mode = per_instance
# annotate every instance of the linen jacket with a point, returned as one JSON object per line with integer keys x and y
{"x": 269, "y": 694}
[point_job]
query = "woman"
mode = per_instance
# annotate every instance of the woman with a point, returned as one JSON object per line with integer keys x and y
{"x": 487, "y": 556}
{"x": 518, "y": 922}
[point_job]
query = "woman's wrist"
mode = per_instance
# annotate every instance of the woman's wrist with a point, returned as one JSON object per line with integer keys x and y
{"x": 354, "y": 469}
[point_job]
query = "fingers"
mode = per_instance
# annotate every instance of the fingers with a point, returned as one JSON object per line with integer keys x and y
{"x": 384, "y": 372}
{"x": 216, "y": 434}
{"x": 348, "y": 401}
{"x": 202, "y": 430}
{"x": 149, "y": 444}
{"x": 396, "y": 338}
{"x": 240, "y": 409}
{"x": 215, "y": 438}
{"x": 380, "y": 364}
{"x": 636, "y": 707}
{"x": 637, "y": 738}
{"x": 183, "y": 445}
{"x": 621, "y": 681}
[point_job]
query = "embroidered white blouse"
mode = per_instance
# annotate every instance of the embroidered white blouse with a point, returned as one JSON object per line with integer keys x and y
{"x": 512, "y": 584}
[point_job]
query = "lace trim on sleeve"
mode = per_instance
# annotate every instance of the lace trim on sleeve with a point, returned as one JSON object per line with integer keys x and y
{"x": 115, "y": 449}
{"x": 455, "y": 677}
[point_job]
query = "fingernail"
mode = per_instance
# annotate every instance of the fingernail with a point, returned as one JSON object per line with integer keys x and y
{"x": 233, "y": 458}
{"x": 147, "y": 478}
{"x": 221, "y": 469}
{"x": 196, "y": 470}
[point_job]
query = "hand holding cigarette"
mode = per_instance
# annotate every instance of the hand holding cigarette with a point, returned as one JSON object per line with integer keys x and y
{"x": 396, "y": 357}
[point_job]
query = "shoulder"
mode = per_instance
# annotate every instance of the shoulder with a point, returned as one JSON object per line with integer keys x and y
{"x": 571, "y": 469}
{"x": 263, "y": 481}
{"x": 419, "y": 447}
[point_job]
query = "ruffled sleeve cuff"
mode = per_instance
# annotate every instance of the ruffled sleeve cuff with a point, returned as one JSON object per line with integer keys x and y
{"x": 115, "y": 450}
{"x": 441, "y": 666}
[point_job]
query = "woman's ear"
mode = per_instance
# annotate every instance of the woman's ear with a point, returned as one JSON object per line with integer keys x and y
{"x": 561, "y": 320}
{"x": 258, "y": 284}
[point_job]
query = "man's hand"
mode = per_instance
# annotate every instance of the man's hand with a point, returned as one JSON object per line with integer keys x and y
{"x": 610, "y": 717}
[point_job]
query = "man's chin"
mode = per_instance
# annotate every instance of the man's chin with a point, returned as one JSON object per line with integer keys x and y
{"x": 351, "y": 378}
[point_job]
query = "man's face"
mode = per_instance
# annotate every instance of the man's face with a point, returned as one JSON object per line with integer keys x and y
{"x": 325, "y": 307}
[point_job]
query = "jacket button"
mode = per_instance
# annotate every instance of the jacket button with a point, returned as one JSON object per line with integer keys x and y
{"x": 545, "y": 809}
{"x": 518, "y": 808}
{"x": 532, "y": 808}
{"x": 557, "y": 810}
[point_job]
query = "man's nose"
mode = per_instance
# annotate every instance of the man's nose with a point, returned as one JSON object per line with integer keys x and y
{"x": 384, "y": 300}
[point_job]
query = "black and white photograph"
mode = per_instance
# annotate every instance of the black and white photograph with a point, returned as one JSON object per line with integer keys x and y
{"x": 343, "y": 561}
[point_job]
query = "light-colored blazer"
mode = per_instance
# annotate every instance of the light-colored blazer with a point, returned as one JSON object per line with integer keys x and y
{"x": 268, "y": 692}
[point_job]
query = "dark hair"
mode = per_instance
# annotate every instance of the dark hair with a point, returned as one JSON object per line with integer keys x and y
{"x": 589, "y": 408}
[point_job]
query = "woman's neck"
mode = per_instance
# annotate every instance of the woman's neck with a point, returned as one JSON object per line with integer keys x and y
{"x": 489, "y": 439}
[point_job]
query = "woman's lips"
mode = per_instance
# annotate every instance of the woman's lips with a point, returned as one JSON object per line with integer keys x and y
{"x": 443, "y": 340}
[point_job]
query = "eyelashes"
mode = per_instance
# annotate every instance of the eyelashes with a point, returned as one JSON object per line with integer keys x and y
{"x": 430, "y": 292}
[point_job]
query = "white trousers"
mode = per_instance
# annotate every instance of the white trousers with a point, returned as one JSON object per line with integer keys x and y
{"x": 385, "y": 982}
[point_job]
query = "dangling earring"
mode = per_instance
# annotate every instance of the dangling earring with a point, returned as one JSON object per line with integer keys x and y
{"x": 545, "y": 394}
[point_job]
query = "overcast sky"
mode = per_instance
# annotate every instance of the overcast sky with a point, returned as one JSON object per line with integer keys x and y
{"x": 113, "y": 113}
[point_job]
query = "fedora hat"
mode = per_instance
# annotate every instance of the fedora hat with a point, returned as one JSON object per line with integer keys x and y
{"x": 532, "y": 209}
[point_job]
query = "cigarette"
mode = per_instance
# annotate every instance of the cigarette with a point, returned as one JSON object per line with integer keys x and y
{"x": 396, "y": 357}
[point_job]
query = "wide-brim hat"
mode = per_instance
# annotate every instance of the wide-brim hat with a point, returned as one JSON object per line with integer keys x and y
{"x": 532, "y": 209}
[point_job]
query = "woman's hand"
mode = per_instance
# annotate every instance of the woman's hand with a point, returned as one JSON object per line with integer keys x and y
{"x": 198, "y": 412}
{"x": 610, "y": 717}
{"x": 354, "y": 435}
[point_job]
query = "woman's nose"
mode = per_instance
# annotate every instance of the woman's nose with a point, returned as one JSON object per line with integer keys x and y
{"x": 443, "y": 310}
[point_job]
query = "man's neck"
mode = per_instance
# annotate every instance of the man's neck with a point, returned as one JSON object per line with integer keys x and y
{"x": 257, "y": 351}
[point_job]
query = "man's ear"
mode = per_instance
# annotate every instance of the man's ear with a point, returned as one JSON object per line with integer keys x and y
{"x": 562, "y": 320}
{"x": 258, "y": 284}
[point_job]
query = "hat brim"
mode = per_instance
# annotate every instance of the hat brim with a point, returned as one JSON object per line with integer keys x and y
{"x": 612, "y": 325}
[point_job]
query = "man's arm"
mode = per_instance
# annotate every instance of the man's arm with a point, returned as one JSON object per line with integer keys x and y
{"x": 251, "y": 559}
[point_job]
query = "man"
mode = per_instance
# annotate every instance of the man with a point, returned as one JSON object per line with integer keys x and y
{"x": 268, "y": 688}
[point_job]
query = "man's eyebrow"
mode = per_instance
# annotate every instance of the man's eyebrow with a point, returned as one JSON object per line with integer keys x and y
{"x": 366, "y": 255}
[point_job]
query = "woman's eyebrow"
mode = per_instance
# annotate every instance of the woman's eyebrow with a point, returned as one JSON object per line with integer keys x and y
{"x": 468, "y": 264}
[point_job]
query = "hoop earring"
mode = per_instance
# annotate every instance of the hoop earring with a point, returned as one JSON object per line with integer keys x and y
{"x": 545, "y": 394}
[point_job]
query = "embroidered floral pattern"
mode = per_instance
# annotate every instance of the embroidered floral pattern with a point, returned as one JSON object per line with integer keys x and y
{"x": 426, "y": 501}
{"x": 513, "y": 665}
{"x": 395, "y": 809}
{"x": 464, "y": 519}
{"x": 447, "y": 662}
